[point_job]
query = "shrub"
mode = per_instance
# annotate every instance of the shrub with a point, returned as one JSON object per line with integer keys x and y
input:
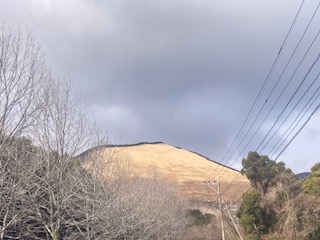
{"x": 199, "y": 218}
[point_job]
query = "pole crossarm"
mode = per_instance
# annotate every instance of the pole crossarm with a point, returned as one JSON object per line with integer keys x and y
{"x": 217, "y": 190}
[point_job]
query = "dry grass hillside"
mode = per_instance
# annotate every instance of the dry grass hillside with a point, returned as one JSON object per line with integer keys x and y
{"x": 184, "y": 169}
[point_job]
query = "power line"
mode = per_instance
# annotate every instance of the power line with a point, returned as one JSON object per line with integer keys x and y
{"x": 266, "y": 80}
{"x": 245, "y": 123}
{"x": 317, "y": 97}
{"x": 257, "y": 130}
{"x": 286, "y": 85}
{"x": 283, "y": 110}
{"x": 316, "y": 60}
{"x": 296, "y": 105}
{"x": 238, "y": 175}
{"x": 295, "y": 121}
{"x": 298, "y": 132}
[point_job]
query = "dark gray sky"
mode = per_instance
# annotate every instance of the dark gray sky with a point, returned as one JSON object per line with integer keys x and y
{"x": 185, "y": 72}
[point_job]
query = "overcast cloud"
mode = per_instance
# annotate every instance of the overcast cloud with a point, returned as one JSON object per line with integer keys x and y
{"x": 184, "y": 72}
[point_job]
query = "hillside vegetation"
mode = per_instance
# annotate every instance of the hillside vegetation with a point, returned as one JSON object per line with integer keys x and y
{"x": 45, "y": 193}
{"x": 48, "y": 191}
{"x": 279, "y": 206}
{"x": 184, "y": 169}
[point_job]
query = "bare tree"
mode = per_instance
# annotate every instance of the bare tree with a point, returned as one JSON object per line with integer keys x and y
{"x": 46, "y": 190}
{"x": 132, "y": 207}
{"x": 10, "y": 196}
{"x": 62, "y": 130}
{"x": 21, "y": 73}
{"x": 63, "y": 125}
{"x": 146, "y": 208}
{"x": 39, "y": 188}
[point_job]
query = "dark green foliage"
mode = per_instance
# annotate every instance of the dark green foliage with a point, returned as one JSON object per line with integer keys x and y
{"x": 198, "y": 218}
{"x": 273, "y": 238}
{"x": 279, "y": 204}
{"x": 251, "y": 214}
{"x": 262, "y": 172}
{"x": 315, "y": 167}
{"x": 281, "y": 198}
{"x": 269, "y": 217}
{"x": 315, "y": 235}
{"x": 256, "y": 218}
{"x": 252, "y": 236}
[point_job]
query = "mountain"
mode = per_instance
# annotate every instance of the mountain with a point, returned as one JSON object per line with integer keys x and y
{"x": 184, "y": 169}
{"x": 302, "y": 175}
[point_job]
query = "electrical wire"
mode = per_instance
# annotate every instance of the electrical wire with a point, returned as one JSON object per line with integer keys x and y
{"x": 304, "y": 56}
{"x": 309, "y": 118}
{"x": 295, "y": 106}
{"x": 267, "y": 78}
{"x": 259, "y": 95}
{"x": 286, "y": 86}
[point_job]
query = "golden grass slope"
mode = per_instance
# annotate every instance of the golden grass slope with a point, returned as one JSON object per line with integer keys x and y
{"x": 184, "y": 169}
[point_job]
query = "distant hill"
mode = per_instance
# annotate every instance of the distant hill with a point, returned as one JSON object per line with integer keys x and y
{"x": 186, "y": 170}
{"x": 302, "y": 175}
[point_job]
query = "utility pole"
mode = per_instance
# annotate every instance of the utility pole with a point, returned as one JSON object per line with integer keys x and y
{"x": 217, "y": 190}
{"x": 235, "y": 225}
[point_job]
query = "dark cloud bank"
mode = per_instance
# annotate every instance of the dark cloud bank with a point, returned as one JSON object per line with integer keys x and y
{"x": 181, "y": 72}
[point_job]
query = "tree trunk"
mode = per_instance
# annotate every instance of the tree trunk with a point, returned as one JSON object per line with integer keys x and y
{"x": 56, "y": 235}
